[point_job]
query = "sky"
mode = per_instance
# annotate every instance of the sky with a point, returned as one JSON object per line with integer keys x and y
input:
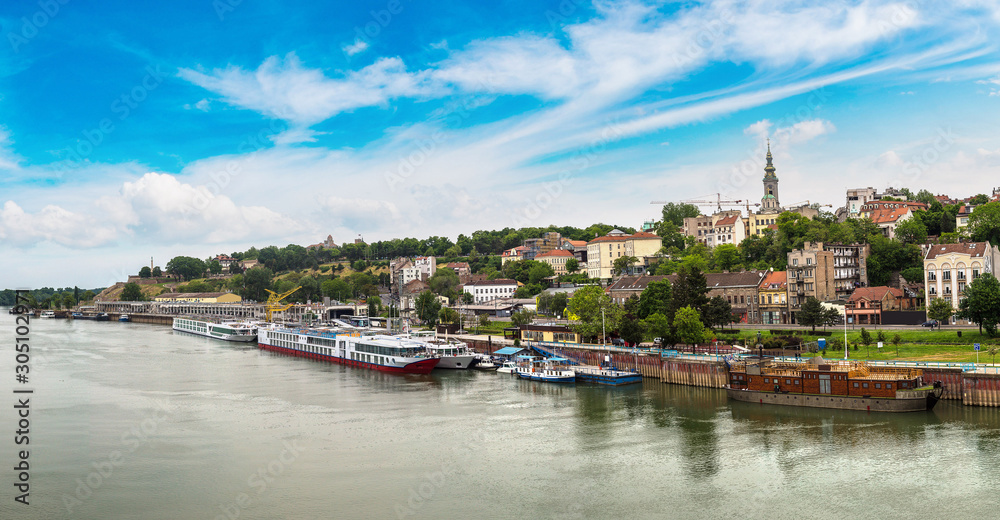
{"x": 132, "y": 131}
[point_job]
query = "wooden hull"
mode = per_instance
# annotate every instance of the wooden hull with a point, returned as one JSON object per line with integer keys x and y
{"x": 919, "y": 402}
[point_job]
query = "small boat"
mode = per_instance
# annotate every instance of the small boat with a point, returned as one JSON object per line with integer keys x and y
{"x": 48, "y": 314}
{"x": 508, "y": 367}
{"x": 79, "y": 316}
{"x": 551, "y": 370}
{"x": 124, "y": 317}
{"x": 453, "y": 355}
{"x": 485, "y": 362}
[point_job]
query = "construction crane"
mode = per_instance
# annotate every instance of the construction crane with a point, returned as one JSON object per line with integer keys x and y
{"x": 274, "y": 304}
{"x": 806, "y": 203}
{"x": 718, "y": 202}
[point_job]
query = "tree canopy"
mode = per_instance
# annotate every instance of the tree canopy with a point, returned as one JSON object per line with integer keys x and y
{"x": 980, "y": 303}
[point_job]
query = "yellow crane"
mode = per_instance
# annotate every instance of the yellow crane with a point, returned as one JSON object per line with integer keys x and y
{"x": 274, "y": 304}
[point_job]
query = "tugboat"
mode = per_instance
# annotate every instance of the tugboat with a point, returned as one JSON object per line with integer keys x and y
{"x": 552, "y": 370}
{"x": 817, "y": 383}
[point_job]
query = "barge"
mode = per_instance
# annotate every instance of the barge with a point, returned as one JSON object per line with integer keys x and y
{"x": 849, "y": 385}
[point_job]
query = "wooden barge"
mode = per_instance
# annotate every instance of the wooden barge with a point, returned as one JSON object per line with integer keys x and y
{"x": 849, "y": 385}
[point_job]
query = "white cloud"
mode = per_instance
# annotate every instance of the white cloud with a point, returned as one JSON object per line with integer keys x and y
{"x": 52, "y": 224}
{"x": 203, "y": 105}
{"x": 284, "y": 89}
{"x": 8, "y": 159}
{"x": 358, "y": 46}
{"x": 800, "y": 132}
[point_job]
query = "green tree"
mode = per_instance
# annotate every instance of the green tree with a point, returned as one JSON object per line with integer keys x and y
{"x": 444, "y": 282}
{"x": 336, "y": 288}
{"x": 427, "y": 307}
{"x": 623, "y": 263}
{"x": 981, "y": 303}
{"x": 484, "y": 321}
{"x": 911, "y": 231}
{"x": 689, "y": 328}
{"x": 186, "y": 267}
{"x": 940, "y": 309}
{"x": 866, "y": 340}
{"x": 448, "y": 315}
{"x": 214, "y": 267}
{"x": 718, "y": 312}
{"x": 727, "y": 256}
{"x": 896, "y": 339}
{"x": 655, "y": 298}
{"x": 374, "y": 305}
{"x": 467, "y": 298}
{"x": 587, "y": 304}
{"x": 538, "y": 272}
{"x": 830, "y": 317}
{"x": 157, "y": 272}
{"x": 984, "y": 223}
{"x": 68, "y": 300}
{"x": 572, "y": 265}
{"x": 522, "y": 317}
{"x": 256, "y": 281}
{"x": 131, "y": 293}
{"x": 993, "y": 351}
{"x": 811, "y": 313}
{"x": 690, "y": 289}
{"x": 87, "y": 296}
{"x": 145, "y": 272}
{"x": 676, "y": 213}
{"x": 630, "y": 329}
{"x": 656, "y": 325}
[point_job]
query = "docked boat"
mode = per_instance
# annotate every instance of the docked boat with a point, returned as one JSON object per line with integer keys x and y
{"x": 242, "y": 331}
{"x": 508, "y": 367}
{"x": 551, "y": 370}
{"x": 350, "y": 347}
{"x": 485, "y": 362}
{"x": 849, "y": 385}
{"x": 453, "y": 355}
{"x": 48, "y": 314}
{"x": 93, "y": 317}
{"x": 124, "y": 317}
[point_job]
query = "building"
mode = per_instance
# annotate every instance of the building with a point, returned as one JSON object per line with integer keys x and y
{"x": 728, "y": 230}
{"x": 699, "y": 227}
{"x": 536, "y": 246}
{"x": 225, "y": 261}
{"x": 462, "y": 269}
{"x": 489, "y": 290}
{"x": 811, "y": 273}
{"x": 326, "y": 244}
{"x": 549, "y": 333}
{"x": 210, "y": 297}
{"x": 962, "y": 218}
{"x": 512, "y": 255}
{"x": 770, "y": 206}
{"x": 850, "y": 267}
{"x": 772, "y": 297}
{"x": 603, "y": 251}
{"x": 404, "y": 270}
{"x": 628, "y": 286}
{"x": 556, "y": 258}
{"x": 949, "y": 267}
{"x": 248, "y": 264}
{"x": 858, "y": 198}
{"x": 578, "y": 248}
{"x": 867, "y": 303}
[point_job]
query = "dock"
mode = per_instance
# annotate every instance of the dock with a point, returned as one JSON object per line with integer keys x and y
{"x": 606, "y": 376}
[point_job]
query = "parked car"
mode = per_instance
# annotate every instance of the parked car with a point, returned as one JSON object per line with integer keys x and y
{"x": 931, "y": 323}
{"x": 618, "y": 342}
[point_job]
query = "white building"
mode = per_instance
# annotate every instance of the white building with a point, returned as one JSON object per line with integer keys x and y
{"x": 949, "y": 267}
{"x": 488, "y": 290}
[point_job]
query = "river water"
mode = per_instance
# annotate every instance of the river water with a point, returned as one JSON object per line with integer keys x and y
{"x": 137, "y": 421}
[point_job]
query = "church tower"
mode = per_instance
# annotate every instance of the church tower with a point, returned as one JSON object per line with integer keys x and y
{"x": 769, "y": 203}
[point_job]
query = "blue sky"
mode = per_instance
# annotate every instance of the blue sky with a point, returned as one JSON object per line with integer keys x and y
{"x": 130, "y": 131}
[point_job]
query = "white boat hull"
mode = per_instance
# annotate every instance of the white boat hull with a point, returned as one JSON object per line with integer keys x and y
{"x": 457, "y": 362}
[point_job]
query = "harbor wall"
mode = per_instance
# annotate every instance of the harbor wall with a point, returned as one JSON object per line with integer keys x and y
{"x": 981, "y": 389}
{"x": 952, "y": 378}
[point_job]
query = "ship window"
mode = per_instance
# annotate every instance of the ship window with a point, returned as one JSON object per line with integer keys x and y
{"x": 864, "y": 385}
{"x": 888, "y": 386}
{"x": 855, "y": 385}
{"x": 878, "y": 385}
{"x": 788, "y": 381}
{"x": 766, "y": 380}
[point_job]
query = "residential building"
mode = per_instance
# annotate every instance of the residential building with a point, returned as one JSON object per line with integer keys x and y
{"x": 225, "y": 261}
{"x": 772, "y": 297}
{"x": 489, "y": 290}
{"x": 404, "y": 270}
{"x": 850, "y": 267}
{"x": 628, "y": 286}
{"x": 536, "y": 246}
{"x": 699, "y": 227}
{"x": 810, "y": 273}
{"x": 870, "y": 209}
{"x": 962, "y": 218}
{"x": 888, "y": 219}
{"x": 858, "y": 198}
{"x": 248, "y": 264}
{"x": 728, "y": 230}
{"x": 208, "y": 297}
{"x": 556, "y": 258}
{"x": 578, "y": 248}
{"x": 866, "y": 304}
{"x": 603, "y": 251}
{"x": 949, "y": 267}
{"x": 513, "y": 254}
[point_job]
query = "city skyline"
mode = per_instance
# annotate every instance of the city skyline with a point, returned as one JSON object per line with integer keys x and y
{"x": 201, "y": 128}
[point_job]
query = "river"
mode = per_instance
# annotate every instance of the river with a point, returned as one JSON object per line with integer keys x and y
{"x": 135, "y": 421}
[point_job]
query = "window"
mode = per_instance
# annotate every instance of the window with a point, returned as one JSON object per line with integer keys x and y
{"x": 932, "y": 276}
{"x": 855, "y": 385}
{"x": 946, "y": 275}
{"x": 809, "y": 261}
{"x": 878, "y": 385}
{"x": 864, "y": 385}
{"x": 788, "y": 381}
{"x": 795, "y": 261}
{"x": 975, "y": 274}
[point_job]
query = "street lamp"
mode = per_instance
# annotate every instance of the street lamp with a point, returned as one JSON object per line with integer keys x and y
{"x": 604, "y": 334}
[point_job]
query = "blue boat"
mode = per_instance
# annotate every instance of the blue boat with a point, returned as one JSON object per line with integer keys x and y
{"x": 124, "y": 317}
{"x": 551, "y": 370}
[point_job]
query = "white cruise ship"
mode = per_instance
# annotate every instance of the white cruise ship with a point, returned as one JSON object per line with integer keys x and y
{"x": 350, "y": 347}
{"x": 242, "y": 331}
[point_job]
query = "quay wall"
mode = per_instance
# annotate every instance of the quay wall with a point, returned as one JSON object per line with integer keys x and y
{"x": 952, "y": 378}
{"x": 981, "y": 389}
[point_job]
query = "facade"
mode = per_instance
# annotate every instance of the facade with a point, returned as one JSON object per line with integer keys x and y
{"x": 629, "y": 286}
{"x": 949, "y": 267}
{"x": 512, "y": 255}
{"x": 867, "y": 303}
{"x": 557, "y": 259}
{"x": 773, "y": 298}
{"x": 728, "y": 230}
{"x": 216, "y": 297}
{"x": 850, "y": 267}
{"x": 962, "y": 218}
{"x": 489, "y": 290}
{"x": 549, "y": 333}
{"x": 603, "y": 251}
{"x": 811, "y": 272}
{"x": 699, "y": 227}
{"x": 225, "y": 261}
{"x": 536, "y": 246}
{"x": 740, "y": 290}
{"x": 578, "y": 248}
{"x": 403, "y": 270}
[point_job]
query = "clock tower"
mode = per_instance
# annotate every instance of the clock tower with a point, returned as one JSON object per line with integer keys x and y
{"x": 769, "y": 203}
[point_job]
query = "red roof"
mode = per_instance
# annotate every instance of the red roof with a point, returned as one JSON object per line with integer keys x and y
{"x": 774, "y": 280}
{"x": 975, "y": 249}
{"x": 727, "y": 221}
{"x": 875, "y": 293}
{"x": 885, "y": 216}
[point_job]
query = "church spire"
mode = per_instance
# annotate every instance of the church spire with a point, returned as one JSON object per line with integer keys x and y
{"x": 769, "y": 169}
